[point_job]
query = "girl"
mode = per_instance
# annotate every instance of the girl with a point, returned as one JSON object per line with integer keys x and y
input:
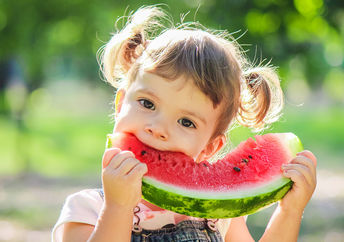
{"x": 179, "y": 91}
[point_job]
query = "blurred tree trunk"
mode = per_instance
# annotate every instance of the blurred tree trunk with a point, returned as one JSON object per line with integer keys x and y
{"x": 17, "y": 94}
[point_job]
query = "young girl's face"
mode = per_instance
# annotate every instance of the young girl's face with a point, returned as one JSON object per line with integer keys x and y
{"x": 169, "y": 115}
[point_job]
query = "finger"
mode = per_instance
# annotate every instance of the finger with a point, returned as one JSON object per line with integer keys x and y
{"x": 127, "y": 165}
{"x": 108, "y": 155}
{"x": 303, "y": 170}
{"x": 138, "y": 171}
{"x": 117, "y": 160}
{"x": 295, "y": 176}
{"x": 305, "y": 161}
{"x": 309, "y": 155}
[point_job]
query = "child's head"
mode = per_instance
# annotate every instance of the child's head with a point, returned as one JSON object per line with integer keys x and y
{"x": 212, "y": 62}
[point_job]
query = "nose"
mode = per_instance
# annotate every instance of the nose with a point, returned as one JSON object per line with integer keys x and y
{"x": 157, "y": 132}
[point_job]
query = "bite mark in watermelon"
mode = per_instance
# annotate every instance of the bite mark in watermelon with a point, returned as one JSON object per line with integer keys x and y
{"x": 246, "y": 180}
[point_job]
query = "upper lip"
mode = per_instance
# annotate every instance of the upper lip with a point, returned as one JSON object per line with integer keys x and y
{"x": 153, "y": 145}
{"x": 150, "y": 144}
{"x": 157, "y": 145}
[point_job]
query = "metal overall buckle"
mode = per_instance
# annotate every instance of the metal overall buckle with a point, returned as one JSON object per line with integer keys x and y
{"x": 136, "y": 227}
{"x": 211, "y": 224}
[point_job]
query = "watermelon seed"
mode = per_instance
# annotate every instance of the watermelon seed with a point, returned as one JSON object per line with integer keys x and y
{"x": 159, "y": 157}
{"x": 143, "y": 152}
{"x": 205, "y": 165}
{"x": 250, "y": 157}
{"x": 245, "y": 160}
{"x": 236, "y": 168}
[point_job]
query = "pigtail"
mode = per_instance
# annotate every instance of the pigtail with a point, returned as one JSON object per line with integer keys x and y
{"x": 262, "y": 98}
{"x": 126, "y": 46}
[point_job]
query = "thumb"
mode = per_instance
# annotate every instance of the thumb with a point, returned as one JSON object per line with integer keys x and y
{"x": 108, "y": 155}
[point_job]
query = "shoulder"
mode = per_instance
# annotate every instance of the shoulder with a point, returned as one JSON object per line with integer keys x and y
{"x": 86, "y": 198}
{"x": 84, "y": 205}
{"x": 81, "y": 207}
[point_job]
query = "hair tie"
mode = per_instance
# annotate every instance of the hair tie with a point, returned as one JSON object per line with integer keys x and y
{"x": 135, "y": 41}
{"x": 252, "y": 79}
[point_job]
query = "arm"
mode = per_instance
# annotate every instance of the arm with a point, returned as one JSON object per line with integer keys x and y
{"x": 238, "y": 231}
{"x": 285, "y": 223}
{"x": 121, "y": 177}
{"x": 77, "y": 232}
{"x": 283, "y": 226}
{"x": 112, "y": 223}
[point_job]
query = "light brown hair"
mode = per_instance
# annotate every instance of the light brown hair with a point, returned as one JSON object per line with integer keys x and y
{"x": 212, "y": 59}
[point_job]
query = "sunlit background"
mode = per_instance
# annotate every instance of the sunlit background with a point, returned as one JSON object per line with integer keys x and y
{"x": 55, "y": 110}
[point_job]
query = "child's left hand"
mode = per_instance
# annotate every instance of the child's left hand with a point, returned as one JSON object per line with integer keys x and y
{"x": 302, "y": 171}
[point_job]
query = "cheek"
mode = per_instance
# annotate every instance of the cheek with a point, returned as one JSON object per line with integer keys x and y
{"x": 126, "y": 118}
{"x": 192, "y": 146}
{"x": 125, "y": 109}
{"x": 200, "y": 143}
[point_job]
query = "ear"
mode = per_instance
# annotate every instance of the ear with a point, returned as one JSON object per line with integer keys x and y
{"x": 119, "y": 100}
{"x": 211, "y": 148}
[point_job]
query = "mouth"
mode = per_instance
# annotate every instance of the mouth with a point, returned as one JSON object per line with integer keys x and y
{"x": 149, "y": 141}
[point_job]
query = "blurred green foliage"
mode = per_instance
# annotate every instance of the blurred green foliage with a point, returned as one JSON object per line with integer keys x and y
{"x": 41, "y": 35}
{"x": 47, "y": 42}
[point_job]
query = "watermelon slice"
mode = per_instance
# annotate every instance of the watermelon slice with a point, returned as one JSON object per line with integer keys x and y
{"x": 244, "y": 181}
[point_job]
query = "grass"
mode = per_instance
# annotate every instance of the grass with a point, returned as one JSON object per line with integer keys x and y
{"x": 33, "y": 218}
{"x": 71, "y": 147}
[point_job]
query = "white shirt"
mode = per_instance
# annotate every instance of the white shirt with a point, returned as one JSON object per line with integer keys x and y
{"x": 85, "y": 207}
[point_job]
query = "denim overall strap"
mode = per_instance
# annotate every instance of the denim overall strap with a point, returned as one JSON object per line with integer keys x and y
{"x": 188, "y": 230}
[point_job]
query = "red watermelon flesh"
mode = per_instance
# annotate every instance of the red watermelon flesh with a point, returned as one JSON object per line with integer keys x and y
{"x": 250, "y": 163}
{"x": 253, "y": 163}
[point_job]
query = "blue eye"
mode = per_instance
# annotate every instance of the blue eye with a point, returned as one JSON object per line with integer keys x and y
{"x": 147, "y": 104}
{"x": 186, "y": 123}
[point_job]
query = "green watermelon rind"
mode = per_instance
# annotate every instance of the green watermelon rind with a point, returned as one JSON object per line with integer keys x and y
{"x": 294, "y": 143}
{"x": 219, "y": 204}
{"x": 212, "y": 207}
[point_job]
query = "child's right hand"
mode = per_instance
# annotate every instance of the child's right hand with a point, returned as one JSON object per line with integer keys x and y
{"x": 122, "y": 178}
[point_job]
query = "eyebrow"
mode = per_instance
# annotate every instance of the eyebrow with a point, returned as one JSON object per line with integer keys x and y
{"x": 186, "y": 112}
{"x": 147, "y": 91}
